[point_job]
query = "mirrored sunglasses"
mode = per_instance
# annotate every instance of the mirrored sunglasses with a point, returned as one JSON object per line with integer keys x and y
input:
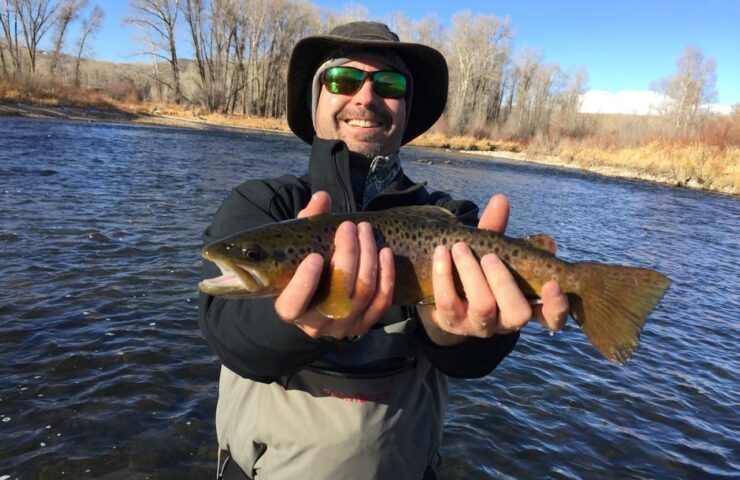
{"x": 348, "y": 81}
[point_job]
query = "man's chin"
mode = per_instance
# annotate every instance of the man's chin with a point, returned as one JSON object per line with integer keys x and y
{"x": 372, "y": 145}
{"x": 368, "y": 149}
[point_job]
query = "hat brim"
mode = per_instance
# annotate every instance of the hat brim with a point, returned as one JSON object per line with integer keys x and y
{"x": 427, "y": 66}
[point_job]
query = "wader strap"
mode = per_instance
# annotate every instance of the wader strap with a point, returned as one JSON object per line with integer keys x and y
{"x": 229, "y": 470}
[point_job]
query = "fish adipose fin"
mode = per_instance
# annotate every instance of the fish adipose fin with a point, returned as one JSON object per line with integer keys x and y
{"x": 612, "y": 304}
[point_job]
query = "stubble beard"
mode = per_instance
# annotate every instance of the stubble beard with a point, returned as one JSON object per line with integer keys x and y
{"x": 373, "y": 143}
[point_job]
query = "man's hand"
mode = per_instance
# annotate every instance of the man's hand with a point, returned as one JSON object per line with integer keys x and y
{"x": 494, "y": 304}
{"x": 370, "y": 277}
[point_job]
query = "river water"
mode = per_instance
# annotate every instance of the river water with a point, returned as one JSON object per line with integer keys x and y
{"x": 104, "y": 374}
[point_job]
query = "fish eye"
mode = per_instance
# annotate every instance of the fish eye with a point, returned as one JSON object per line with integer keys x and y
{"x": 253, "y": 254}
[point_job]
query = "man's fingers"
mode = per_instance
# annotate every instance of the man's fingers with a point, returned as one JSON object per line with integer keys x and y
{"x": 294, "y": 300}
{"x": 514, "y": 309}
{"x": 320, "y": 203}
{"x": 496, "y": 215}
{"x": 367, "y": 270}
{"x": 481, "y": 302}
{"x": 345, "y": 260}
{"x": 553, "y": 312}
{"x": 446, "y": 299}
{"x": 383, "y": 297}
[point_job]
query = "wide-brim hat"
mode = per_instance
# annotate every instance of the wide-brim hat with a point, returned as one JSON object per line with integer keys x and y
{"x": 427, "y": 66}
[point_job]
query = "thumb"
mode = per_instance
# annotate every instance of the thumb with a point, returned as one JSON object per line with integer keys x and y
{"x": 320, "y": 203}
{"x": 496, "y": 215}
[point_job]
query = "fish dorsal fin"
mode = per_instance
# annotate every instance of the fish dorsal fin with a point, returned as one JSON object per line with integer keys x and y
{"x": 543, "y": 242}
{"x": 431, "y": 213}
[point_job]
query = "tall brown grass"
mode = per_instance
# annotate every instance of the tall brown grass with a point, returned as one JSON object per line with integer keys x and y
{"x": 52, "y": 94}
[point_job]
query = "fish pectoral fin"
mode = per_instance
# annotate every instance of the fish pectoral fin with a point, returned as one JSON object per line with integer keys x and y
{"x": 542, "y": 242}
{"x": 332, "y": 298}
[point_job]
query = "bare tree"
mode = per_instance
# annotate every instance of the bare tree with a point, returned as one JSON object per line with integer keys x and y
{"x": 571, "y": 86}
{"x": 242, "y": 48}
{"x": 193, "y": 10}
{"x": 67, "y": 12}
{"x": 352, "y": 12}
{"x": 9, "y": 22}
{"x": 527, "y": 77}
{"x": 159, "y": 18}
{"x": 285, "y": 22}
{"x": 692, "y": 87}
{"x": 35, "y": 17}
{"x": 90, "y": 27}
{"x": 428, "y": 31}
{"x": 212, "y": 28}
{"x": 479, "y": 47}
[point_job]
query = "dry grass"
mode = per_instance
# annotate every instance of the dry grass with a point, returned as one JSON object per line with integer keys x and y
{"x": 439, "y": 140}
{"x": 690, "y": 164}
{"x": 199, "y": 115}
{"x": 53, "y": 94}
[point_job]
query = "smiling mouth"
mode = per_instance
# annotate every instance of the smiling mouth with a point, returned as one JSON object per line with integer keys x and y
{"x": 363, "y": 123}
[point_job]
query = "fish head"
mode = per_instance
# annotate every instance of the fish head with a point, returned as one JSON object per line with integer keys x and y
{"x": 253, "y": 264}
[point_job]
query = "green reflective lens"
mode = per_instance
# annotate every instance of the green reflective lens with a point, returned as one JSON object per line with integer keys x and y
{"x": 348, "y": 81}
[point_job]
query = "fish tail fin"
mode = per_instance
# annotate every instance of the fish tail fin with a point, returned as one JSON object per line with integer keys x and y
{"x": 612, "y": 304}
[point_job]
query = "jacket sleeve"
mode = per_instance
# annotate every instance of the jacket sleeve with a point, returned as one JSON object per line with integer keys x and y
{"x": 474, "y": 357}
{"x": 247, "y": 335}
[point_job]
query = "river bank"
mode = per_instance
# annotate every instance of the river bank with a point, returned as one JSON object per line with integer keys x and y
{"x": 668, "y": 175}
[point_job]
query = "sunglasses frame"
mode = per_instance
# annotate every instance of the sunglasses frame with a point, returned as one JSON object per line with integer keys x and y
{"x": 365, "y": 75}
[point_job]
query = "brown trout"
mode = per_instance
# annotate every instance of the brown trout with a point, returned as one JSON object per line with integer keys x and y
{"x": 609, "y": 302}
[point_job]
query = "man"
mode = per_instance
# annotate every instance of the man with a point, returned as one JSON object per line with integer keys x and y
{"x": 304, "y": 396}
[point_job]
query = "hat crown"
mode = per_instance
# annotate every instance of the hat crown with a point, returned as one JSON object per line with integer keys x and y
{"x": 371, "y": 31}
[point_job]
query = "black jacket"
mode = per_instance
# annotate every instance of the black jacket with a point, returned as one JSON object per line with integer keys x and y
{"x": 248, "y": 336}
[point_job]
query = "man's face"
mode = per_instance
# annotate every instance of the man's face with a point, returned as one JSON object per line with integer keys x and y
{"x": 368, "y": 123}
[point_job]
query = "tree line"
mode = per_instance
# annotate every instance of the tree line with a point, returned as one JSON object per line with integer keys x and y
{"x": 241, "y": 50}
{"x": 25, "y": 23}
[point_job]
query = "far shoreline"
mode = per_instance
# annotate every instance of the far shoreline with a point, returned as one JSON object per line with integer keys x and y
{"x": 156, "y": 119}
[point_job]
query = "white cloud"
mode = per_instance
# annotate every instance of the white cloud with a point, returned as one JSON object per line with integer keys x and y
{"x": 632, "y": 102}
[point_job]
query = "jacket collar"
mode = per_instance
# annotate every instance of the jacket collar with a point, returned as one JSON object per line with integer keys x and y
{"x": 328, "y": 170}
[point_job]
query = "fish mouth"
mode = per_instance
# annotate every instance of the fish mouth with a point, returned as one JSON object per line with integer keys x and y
{"x": 236, "y": 281}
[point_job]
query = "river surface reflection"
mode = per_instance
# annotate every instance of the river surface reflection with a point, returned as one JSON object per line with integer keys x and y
{"x": 104, "y": 374}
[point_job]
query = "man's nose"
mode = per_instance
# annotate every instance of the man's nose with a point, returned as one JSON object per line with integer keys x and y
{"x": 366, "y": 94}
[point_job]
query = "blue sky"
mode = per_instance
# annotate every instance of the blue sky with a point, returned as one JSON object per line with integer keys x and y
{"x": 623, "y": 45}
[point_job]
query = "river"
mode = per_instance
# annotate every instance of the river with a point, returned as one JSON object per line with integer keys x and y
{"x": 104, "y": 373}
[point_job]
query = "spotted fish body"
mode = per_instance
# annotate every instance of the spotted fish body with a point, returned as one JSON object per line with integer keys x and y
{"x": 609, "y": 302}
